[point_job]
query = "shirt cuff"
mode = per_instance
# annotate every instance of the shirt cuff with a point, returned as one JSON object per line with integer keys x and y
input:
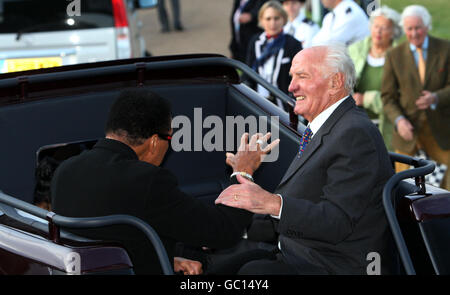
{"x": 398, "y": 119}
{"x": 281, "y": 209}
{"x": 434, "y": 105}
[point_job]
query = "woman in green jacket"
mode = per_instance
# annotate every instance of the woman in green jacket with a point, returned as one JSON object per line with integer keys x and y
{"x": 368, "y": 57}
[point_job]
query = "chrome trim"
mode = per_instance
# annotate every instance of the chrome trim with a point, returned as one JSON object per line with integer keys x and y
{"x": 39, "y": 249}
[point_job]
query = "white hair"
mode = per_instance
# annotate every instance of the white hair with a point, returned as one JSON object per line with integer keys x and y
{"x": 337, "y": 60}
{"x": 391, "y": 15}
{"x": 417, "y": 10}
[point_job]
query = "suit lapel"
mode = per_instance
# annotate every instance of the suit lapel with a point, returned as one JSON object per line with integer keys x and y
{"x": 298, "y": 162}
{"x": 259, "y": 44}
{"x": 411, "y": 63}
{"x": 432, "y": 58}
{"x": 316, "y": 141}
{"x": 276, "y": 67}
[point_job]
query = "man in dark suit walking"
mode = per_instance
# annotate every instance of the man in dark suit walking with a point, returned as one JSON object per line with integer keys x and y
{"x": 328, "y": 206}
{"x": 121, "y": 175}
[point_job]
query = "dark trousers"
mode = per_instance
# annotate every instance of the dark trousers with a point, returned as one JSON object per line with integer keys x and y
{"x": 162, "y": 13}
{"x": 271, "y": 265}
{"x": 257, "y": 258}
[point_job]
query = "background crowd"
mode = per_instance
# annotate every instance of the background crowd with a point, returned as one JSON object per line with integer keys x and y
{"x": 406, "y": 93}
{"x": 403, "y": 86}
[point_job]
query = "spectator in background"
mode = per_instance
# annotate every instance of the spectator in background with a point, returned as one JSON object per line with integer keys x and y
{"x": 368, "y": 55}
{"x": 244, "y": 24}
{"x": 346, "y": 22}
{"x": 299, "y": 26}
{"x": 271, "y": 52}
{"x": 416, "y": 91}
{"x": 164, "y": 20}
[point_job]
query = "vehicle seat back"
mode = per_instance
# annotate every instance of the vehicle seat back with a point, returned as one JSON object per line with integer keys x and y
{"x": 425, "y": 224}
{"x": 433, "y": 217}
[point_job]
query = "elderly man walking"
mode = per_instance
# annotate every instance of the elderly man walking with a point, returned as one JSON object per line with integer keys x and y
{"x": 327, "y": 206}
{"x": 416, "y": 91}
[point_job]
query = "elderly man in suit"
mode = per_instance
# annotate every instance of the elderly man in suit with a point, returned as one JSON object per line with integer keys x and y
{"x": 328, "y": 204}
{"x": 416, "y": 91}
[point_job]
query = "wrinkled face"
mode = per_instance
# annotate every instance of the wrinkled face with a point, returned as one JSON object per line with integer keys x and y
{"x": 310, "y": 83}
{"x": 272, "y": 21}
{"x": 292, "y": 8}
{"x": 415, "y": 30}
{"x": 382, "y": 31}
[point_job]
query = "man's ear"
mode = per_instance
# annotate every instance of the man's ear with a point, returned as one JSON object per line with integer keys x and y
{"x": 337, "y": 82}
{"x": 149, "y": 145}
{"x": 152, "y": 141}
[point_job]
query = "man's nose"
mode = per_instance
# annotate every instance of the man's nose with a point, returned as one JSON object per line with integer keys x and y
{"x": 292, "y": 86}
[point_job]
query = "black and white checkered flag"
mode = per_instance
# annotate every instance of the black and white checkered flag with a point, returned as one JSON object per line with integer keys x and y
{"x": 435, "y": 178}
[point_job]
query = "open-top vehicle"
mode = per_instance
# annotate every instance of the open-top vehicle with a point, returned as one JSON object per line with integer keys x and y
{"x": 50, "y": 110}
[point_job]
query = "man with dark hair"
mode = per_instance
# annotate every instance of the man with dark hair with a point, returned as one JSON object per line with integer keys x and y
{"x": 120, "y": 175}
{"x": 138, "y": 119}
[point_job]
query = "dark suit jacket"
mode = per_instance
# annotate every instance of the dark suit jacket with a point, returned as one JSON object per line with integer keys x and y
{"x": 283, "y": 59}
{"x": 401, "y": 87}
{"x": 109, "y": 179}
{"x": 332, "y": 196}
{"x": 246, "y": 31}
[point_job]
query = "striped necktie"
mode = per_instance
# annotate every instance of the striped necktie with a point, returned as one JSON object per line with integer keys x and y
{"x": 304, "y": 141}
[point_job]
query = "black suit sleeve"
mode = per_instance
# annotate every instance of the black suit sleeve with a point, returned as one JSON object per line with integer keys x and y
{"x": 263, "y": 229}
{"x": 191, "y": 221}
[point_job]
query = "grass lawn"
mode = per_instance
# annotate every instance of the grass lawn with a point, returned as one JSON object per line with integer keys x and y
{"x": 439, "y": 10}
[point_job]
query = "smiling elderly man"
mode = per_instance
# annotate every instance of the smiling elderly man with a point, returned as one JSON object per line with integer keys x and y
{"x": 328, "y": 204}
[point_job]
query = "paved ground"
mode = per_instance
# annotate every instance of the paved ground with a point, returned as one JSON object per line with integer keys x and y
{"x": 206, "y": 23}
